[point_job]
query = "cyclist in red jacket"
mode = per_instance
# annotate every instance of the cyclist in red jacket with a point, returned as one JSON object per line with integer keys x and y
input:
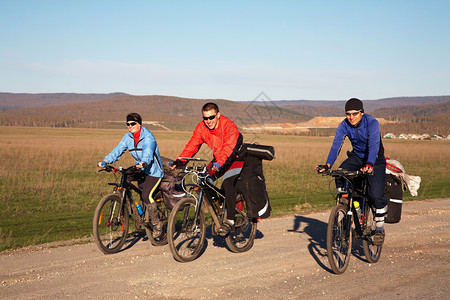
{"x": 224, "y": 139}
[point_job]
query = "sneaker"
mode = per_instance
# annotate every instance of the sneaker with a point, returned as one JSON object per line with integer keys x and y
{"x": 378, "y": 238}
{"x": 157, "y": 229}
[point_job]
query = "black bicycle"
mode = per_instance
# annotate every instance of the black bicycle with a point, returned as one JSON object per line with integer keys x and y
{"x": 352, "y": 218}
{"x": 205, "y": 204}
{"x": 116, "y": 211}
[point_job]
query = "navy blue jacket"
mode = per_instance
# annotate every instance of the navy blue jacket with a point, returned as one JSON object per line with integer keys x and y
{"x": 365, "y": 138}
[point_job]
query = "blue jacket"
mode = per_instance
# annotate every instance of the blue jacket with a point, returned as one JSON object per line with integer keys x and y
{"x": 146, "y": 151}
{"x": 365, "y": 138}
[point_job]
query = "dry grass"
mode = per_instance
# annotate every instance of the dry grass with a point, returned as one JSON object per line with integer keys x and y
{"x": 50, "y": 185}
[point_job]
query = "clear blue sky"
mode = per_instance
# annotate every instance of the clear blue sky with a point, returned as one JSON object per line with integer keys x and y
{"x": 330, "y": 50}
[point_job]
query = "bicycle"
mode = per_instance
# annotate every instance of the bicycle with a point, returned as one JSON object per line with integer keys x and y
{"x": 342, "y": 229}
{"x": 114, "y": 211}
{"x": 187, "y": 222}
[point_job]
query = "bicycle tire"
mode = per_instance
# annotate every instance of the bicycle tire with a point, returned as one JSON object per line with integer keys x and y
{"x": 241, "y": 238}
{"x": 163, "y": 212}
{"x": 339, "y": 239}
{"x": 372, "y": 252}
{"x": 186, "y": 236}
{"x": 109, "y": 234}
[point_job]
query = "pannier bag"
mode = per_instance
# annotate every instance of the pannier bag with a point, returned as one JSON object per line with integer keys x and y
{"x": 260, "y": 151}
{"x": 251, "y": 183}
{"x": 172, "y": 189}
{"x": 393, "y": 191}
{"x": 171, "y": 186}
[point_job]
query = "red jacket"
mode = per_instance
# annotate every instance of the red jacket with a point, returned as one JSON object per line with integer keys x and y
{"x": 221, "y": 140}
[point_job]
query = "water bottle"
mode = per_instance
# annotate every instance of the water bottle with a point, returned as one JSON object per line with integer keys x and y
{"x": 139, "y": 208}
{"x": 358, "y": 209}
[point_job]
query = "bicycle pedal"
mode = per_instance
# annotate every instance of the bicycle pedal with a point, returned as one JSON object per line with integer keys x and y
{"x": 224, "y": 230}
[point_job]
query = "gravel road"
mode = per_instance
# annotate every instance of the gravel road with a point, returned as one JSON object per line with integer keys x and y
{"x": 287, "y": 261}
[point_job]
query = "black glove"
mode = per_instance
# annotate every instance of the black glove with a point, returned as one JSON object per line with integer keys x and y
{"x": 322, "y": 167}
{"x": 177, "y": 163}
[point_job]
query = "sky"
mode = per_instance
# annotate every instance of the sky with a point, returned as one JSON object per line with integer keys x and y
{"x": 236, "y": 50}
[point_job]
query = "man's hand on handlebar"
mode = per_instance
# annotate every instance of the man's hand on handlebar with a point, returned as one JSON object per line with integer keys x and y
{"x": 367, "y": 169}
{"x": 175, "y": 164}
{"x": 215, "y": 166}
{"x": 322, "y": 168}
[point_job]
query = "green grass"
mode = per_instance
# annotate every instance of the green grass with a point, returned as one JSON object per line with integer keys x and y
{"x": 50, "y": 184}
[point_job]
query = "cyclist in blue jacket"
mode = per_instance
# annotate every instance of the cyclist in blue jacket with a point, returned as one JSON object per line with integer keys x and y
{"x": 141, "y": 144}
{"x": 367, "y": 155}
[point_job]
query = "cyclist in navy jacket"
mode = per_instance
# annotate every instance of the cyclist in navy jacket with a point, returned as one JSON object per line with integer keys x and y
{"x": 367, "y": 155}
{"x": 141, "y": 144}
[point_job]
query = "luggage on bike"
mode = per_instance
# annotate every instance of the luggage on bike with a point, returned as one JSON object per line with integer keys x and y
{"x": 171, "y": 186}
{"x": 259, "y": 151}
{"x": 251, "y": 183}
{"x": 172, "y": 189}
{"x": 393, "y": 192}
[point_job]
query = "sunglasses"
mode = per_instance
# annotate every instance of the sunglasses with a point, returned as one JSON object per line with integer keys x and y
{"x": 131, "y": 123}
{"x": 352, "y": 114}
{"x": 209, "y": 118}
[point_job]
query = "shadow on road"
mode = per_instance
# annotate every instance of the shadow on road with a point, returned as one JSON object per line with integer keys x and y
{"x": 317, "y": 232}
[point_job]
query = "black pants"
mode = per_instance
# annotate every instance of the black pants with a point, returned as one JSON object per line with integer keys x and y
{"x": 229, "y": 187}
{"x": 146, "y": 184}
{"x": 375, "y": 182}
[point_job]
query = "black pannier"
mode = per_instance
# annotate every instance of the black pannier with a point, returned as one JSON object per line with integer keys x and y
{"x": 251, "y": 183}
{"x": 260, "y": 151}
{"x": 393, "y": 192}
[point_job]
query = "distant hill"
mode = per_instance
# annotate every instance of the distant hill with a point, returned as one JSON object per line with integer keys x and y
{"x": 414, "y": 110}
{"x": 330, "y": 108}
{"x": 419, "y": 119}
{"x": 174, "y": 112}
{"x": 412, "y": 114}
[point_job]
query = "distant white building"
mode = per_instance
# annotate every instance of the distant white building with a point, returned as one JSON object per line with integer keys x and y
{"x": 425, "y": 136}
{"x": 403, "y": 136}
{"x": 437, "y": 137}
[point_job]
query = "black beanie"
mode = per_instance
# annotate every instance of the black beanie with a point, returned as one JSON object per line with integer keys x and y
{"x": 354, "y": 104}
{"x": 134, "y": 117}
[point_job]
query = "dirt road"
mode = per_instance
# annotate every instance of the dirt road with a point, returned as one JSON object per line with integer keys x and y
{"x": 288, "y": 261}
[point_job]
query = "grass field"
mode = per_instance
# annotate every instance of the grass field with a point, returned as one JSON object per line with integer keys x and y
{"x": 50, "y": 184}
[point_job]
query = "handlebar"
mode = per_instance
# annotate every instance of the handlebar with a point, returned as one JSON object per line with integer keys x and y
{"x": 192, "y": 158}
{"x": 111, "y": 168}
{"x": 341, "y": 173}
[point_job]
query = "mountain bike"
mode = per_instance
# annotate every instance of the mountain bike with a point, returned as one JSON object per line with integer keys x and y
{"x": 116, "y": 211}
{"x": 352, "y": 218}
{"x": 205, "y": 204}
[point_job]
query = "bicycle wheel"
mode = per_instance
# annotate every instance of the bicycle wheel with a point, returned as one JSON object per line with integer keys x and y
{"x": 371, "y": 251}
{"x": 163, "y": 213}
{"x": 186, "y": 235}
{"x": 241, "y": 238}
{"x": 339, "y": 239}
{"x": 109, "y": 225}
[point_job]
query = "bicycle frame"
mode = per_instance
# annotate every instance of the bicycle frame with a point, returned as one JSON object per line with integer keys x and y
{"x": 206, "y": 190}
{"x": 340, "y": 233}
{"x": 125, "y": 189}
